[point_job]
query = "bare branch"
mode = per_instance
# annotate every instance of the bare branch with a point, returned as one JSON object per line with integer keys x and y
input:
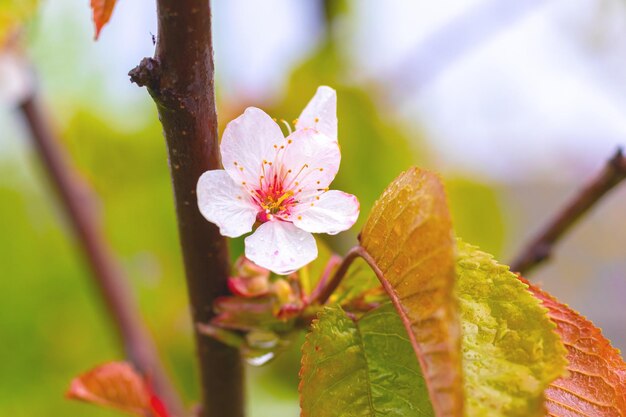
{"x": 113, "y": 285}
{"x": 541, "y": 247}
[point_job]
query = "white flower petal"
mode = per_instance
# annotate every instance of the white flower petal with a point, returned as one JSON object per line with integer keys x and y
{"x": 280, "y": 247}
{"x": 247, "y": 141}
{"x": 313, "y": 159}
{"x": 321, "y": 113}
{"x": 225, "y": 203}
{"x": 334, "y": 212}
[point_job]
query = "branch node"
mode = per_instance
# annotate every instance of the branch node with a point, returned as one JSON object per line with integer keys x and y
{"x": 146, "y": 74}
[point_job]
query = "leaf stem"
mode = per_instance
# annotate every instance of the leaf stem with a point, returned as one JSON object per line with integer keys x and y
{"x": 324, "y": 293}
{"x": 77, "y": 201}
{"x": 180, "y": 80}
{"x": 333, "y": 262}
{"x": 540, "y": 249}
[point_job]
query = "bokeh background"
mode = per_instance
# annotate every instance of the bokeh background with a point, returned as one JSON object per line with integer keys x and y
{"x": 517, "y": 104}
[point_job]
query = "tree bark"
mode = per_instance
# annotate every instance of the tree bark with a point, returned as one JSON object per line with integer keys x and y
{"x": 180, "y": 80}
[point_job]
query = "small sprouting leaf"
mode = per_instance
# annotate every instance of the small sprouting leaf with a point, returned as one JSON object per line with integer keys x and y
{"x": 596, "y": 383}
{"x": 511, "y": 351}
{"x": 117, "y": 385}
{"x": 102, "y": 11}
{"x": 246, "y": 314}
{"x": 409, "y": 237}
{"x": 361, "y": 368}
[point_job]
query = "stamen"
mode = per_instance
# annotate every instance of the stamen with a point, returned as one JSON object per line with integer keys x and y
{"x": 283, "y": 121}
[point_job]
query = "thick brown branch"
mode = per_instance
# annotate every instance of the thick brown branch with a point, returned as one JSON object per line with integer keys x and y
{"x": 112, "y": 283}
{"x": 541, "y": 247}
{"x": 180, "y": 80}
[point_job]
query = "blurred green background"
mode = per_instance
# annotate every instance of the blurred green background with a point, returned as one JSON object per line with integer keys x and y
{"x": 52, "y": 323}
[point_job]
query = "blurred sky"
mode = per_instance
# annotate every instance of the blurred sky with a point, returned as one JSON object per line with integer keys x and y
{"x": 539, "y": 85}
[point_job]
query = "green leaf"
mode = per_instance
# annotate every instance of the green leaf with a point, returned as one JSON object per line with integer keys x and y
{"x": 409, "y": 238}
{"x": 361, "y": 368}
{"x": 511, "y": 352}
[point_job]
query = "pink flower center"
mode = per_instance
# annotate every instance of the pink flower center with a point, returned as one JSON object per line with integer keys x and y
{"x": 274, "y": 202}
{"x": 280, "y": 188}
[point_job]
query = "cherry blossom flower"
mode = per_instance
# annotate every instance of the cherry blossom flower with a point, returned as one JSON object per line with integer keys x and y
{"x": 281, "y": 183}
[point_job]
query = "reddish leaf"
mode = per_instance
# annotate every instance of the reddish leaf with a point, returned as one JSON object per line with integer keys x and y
{"x": 102, "y": 11}
{"x": 117, "y": 385}
{"x": 157, "y": 406}
{"x": 596, "y": 384}
{"x": 409, "y": 237}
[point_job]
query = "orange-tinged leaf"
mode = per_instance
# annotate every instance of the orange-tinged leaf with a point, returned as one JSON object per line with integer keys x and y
{"x": 596, "y": 384}
{"x": 116, "y": 385}
{"x": 102, "y": 11}
{"x": 409, "y": 236}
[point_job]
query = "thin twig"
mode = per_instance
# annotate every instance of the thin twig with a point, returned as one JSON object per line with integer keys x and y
{"x": 113, "y": 285}
{"x": 180, "y": 80}
{"x": 541, "y": 247}
{"x": 334, "y": 261}
{"x": 334, "y": 282}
